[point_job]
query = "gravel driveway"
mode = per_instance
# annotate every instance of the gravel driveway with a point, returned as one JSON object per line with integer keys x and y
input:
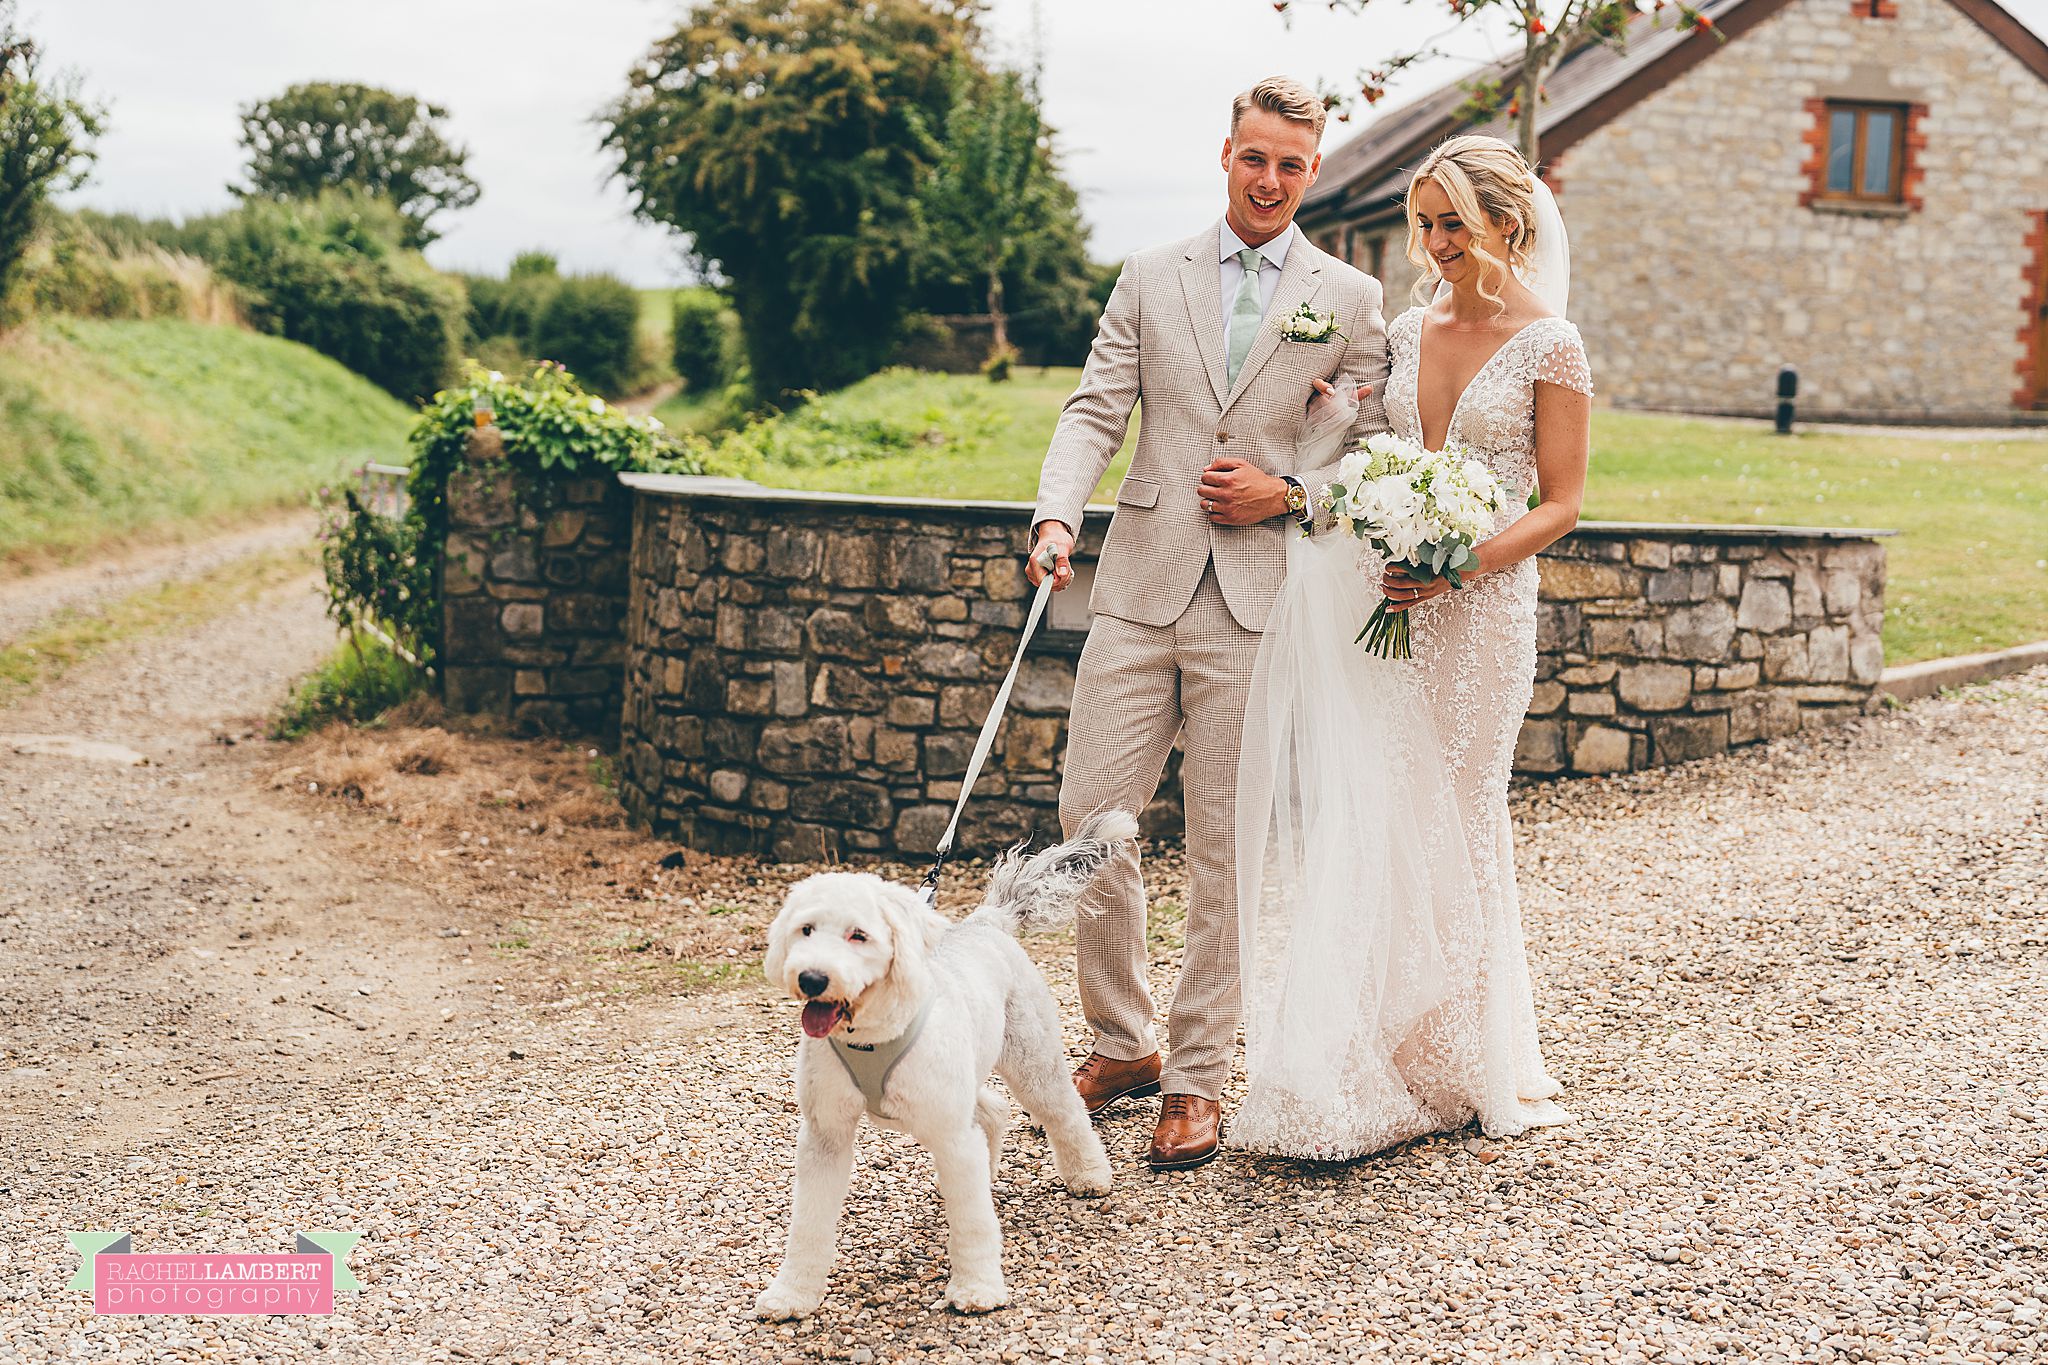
{"x": 1795, "y": 995}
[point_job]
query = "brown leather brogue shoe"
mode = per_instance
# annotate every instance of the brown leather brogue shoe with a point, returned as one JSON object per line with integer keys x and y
{"x": 1103, "y": 1081}
{"x": 1190, "y": 1132}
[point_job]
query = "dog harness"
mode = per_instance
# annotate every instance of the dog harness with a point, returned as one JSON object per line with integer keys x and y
{"x": 869, "y": 1064}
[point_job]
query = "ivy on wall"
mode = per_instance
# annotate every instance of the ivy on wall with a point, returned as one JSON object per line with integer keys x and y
{"x": 388, "y": 570}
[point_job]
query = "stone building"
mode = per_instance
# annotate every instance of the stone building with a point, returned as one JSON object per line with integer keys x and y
{"x": 1858, "y": 188}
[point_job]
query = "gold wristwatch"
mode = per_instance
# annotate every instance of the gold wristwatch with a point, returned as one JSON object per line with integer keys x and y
{"x": 1297, "y": 503}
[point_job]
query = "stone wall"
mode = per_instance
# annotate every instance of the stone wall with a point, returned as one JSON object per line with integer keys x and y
{"x": 533, "y": 594}
{"x": 1658, "y": 644}
{"x": 806, "y": 673}
{"x": 1698, "y": 272}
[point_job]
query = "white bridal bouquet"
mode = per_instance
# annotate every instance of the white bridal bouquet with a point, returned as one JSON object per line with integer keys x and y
{"x": 1422, "y": 509}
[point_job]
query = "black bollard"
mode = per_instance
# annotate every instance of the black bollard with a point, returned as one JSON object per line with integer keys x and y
{"x": 1788, "y": 389}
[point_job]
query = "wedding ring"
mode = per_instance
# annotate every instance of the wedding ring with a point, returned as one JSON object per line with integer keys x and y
{"x": 1205, "y": 504}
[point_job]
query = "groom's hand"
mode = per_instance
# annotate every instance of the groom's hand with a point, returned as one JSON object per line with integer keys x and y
{"x": 1237, "y": 492}
{"x": 1055, "y": 536}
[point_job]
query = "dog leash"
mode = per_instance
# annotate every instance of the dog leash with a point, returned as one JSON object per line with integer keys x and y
{"x": 930, "y": 889}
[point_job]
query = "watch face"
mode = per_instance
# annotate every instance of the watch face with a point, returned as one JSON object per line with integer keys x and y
{"x": 1297, "y": 497}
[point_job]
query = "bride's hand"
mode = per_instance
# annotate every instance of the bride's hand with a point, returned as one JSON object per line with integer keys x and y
{"x": 1403, "y": 590}
{"x": 1326, "y": 394}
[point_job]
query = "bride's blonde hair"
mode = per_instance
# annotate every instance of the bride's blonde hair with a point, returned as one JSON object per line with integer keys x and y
{"x": 1494, "y": 192}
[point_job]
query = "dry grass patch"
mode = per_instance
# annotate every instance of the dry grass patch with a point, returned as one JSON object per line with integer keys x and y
{"x": 526, "y": 836}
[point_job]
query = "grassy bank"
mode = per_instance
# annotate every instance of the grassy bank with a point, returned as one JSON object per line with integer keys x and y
{"x": 112, "y": 430}
{"x": 1968, "y": 571}
{"x": 932, "y": 435}
{"x": 657, "y": 315}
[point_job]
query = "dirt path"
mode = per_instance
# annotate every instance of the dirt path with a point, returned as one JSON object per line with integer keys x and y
{"x": 1794, "y": 995}
{"x": 644, "y": 404}
{"x": 173, "y": 937}
{"x": 26, "y": 603}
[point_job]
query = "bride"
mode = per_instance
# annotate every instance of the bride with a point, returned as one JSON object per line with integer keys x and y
{"x": 1386, "y": 989}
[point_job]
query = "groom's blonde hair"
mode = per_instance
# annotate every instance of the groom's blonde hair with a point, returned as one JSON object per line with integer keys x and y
{"x": 1285, "y": 96}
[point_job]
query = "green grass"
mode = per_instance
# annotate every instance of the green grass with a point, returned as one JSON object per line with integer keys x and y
{"x": 969, "y": 438}
{"x": 1968, "y": 571}
{"x": 657, "y": 314}
{"x": 688, "y": 412}
{"x": 117, "y": 429}
{"x": 358, "y": 683}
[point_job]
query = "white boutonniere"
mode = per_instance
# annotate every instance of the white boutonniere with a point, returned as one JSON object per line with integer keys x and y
{"x": 1306, "y": 324}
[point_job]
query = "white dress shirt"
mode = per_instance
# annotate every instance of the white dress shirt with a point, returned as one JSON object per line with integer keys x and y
{"x": 1275, "y": 254}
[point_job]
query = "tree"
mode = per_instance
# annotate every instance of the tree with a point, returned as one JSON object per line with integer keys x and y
{"x": 1550, "y": 32}
{"x": 790, "y": 139}
{"x": 46, "y": 136}
{"x": 319, "y": 136}
{"x": 994, "y": 183}
{"x": 998, "y": 207}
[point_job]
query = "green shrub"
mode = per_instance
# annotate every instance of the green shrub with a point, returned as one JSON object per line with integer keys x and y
{"x": 534, "y": 263}
{"x": 330, "y": 273}
{"x": 996, "y": 369}
{"x": 552, "y": 428}
{"x": 362, "y": 681}
{"x": 510, "y": 307}
{"x": 705, "y": 340}
{"x": 589, "y": 325}
{"x": 376, "y": 576}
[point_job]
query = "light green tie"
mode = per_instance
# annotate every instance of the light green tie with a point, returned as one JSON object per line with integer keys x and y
{"x": 1245, "y": 314}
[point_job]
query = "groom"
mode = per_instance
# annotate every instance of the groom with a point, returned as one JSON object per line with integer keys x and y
{"x": 1196, "y": 551}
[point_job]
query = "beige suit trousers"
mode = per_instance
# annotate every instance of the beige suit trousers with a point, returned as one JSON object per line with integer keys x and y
{"x": 1139, "y": 687}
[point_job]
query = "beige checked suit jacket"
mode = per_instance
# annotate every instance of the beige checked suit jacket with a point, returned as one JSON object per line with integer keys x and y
{"x": 1172, "y": 649}
{"x": 1162, "y": 343}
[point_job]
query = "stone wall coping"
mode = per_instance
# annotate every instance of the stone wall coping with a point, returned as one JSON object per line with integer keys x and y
{"x": 1715, "y": 530}
{"x": 704, "y": 486}
{"x": 1910, "y": 682}
{"x": 744, "y": 490}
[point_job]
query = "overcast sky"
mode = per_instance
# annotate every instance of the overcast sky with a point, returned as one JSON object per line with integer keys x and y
{"x": 1138, "y": 90}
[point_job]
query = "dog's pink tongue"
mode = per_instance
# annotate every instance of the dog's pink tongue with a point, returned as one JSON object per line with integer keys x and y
{"x": 821, "y": 1016}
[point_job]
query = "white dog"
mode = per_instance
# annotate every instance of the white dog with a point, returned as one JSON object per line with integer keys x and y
{"x": 905, "y": 1015}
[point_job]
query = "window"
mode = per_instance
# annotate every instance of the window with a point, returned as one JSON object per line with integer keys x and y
{"x": 1866, "y": 145}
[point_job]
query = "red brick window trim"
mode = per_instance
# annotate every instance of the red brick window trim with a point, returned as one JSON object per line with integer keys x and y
{"x": 1862, "y": 153}
{"x": 2033, "y": 389}
{"x": 1874, "y": 9}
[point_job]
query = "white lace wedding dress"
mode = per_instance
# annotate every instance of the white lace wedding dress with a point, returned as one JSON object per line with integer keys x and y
{"x": 1386, "y": 989}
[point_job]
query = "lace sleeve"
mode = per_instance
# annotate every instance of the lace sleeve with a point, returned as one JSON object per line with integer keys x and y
{"x": 1559, "y": 357}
